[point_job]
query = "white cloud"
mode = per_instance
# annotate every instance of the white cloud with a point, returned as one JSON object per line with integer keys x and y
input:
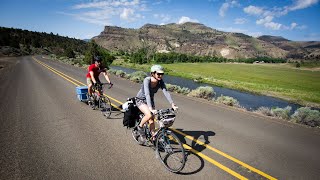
{"x": 264, "y": 20}
{"x": 253, "y": 10}
{"x": 240, "y": 20}
{"x": 301, "y": 4}
{"x": 225, "y": 6}
{"x": 127, "y": 14}
{"x": 101, "y": 12}
{"x": 293, "y": 25}
{"x": 273, "y": 25}
{"x": 266, "y": 16}
{"x": 102, "y": 4}
{"x": 185, "y": 19}
{"x": 223, "y": 9}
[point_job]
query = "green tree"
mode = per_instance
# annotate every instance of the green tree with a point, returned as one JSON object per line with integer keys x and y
{"x": 69, "y": 53}
{"x": 91, "y": 52}
{"x": 95, "y": 50}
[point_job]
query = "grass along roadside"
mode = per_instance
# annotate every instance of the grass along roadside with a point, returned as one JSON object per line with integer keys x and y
{"x": 303, "y": 115}
{"x": 277, "y": 80}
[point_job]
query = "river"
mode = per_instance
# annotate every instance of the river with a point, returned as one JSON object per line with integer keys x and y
{"x": 247, "y": 100}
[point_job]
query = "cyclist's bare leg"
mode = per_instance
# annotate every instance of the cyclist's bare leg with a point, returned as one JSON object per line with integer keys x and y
{"x": 90, "y": 89}
{"x": 89, "y": 83}
{"x": 147, "y": 114}
{"x": 152, "y": 127}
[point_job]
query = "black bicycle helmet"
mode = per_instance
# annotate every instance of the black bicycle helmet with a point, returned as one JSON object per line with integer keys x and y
{"x": 97, "y": 58}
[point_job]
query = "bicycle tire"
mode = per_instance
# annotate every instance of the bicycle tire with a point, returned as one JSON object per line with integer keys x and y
{"x": 105, "y": 106}
{"x": 168, "y": 146}
{"x": 135, "y": 135}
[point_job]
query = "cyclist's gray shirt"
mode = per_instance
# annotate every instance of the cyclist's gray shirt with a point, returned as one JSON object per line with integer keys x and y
{"x": 147, "y": 93}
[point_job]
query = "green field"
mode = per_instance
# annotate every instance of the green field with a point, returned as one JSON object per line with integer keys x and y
{"x": 278, "y": 80}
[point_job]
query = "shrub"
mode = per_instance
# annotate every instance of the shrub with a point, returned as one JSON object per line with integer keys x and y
{"x": 283, "y": 113}
{"x": 112, "y": 71}
{"x": 264, "y": 110}
{"x": 120, "y": 73}
{"x": 227, "y": 100}
{"x": 139, "y": 73}
{"x": 305, "y": 115}
{"x": 171, "y": 87}
{"x": 198, "y": 79}
{"x": 184, "y": 91}
{"x": 127, "y": 76}
{"x": 206, "y": 92}
{"x": 177, "y": 89}
{"x": 138, "y": 76}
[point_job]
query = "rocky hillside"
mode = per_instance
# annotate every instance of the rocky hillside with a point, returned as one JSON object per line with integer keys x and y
{"x": 198, "y": 39}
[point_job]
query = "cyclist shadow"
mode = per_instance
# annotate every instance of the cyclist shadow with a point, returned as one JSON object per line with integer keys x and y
{"x": 116, "y": 113}
{"x": 194, "y": 163}
{"x": 202, "y": 136}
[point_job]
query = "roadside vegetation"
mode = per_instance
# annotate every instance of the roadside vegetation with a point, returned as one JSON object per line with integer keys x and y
{"x": 18, "y": 42}
{"x": 303, "y": 115}
{"x": 278, "y": 80}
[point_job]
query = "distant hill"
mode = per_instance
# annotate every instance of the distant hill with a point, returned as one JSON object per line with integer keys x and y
{"x": 16, "y": 42}
{"x": 86, "y": 40}
{"x": 198, "y": 39}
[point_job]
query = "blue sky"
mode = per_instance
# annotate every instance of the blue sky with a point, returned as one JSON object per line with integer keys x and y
{"x": 292, "y": 19}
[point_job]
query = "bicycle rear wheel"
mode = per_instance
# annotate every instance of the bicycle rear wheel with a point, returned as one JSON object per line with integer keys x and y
{"x": 170, "y": 151}
{"x": 105, "y": 106}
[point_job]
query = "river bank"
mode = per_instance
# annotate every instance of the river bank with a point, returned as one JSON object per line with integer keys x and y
{"x": 279, "y": 81}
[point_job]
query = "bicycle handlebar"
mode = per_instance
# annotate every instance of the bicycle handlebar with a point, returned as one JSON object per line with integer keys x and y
{"x": 163, "y": 111}
{"x": 101, "y": 84}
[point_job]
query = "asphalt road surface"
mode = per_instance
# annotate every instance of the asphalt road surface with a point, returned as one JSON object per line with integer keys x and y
{"x": 46, "y": 133}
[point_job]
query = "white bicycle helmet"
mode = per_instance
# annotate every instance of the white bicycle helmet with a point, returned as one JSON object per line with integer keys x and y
{"x": 157, "y": 68}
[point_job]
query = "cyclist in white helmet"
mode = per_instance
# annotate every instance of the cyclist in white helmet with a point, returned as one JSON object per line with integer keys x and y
{"x": 145, "y": 97}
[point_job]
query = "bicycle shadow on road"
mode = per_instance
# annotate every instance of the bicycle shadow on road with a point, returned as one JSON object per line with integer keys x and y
{"x": 194, "y": 164}
{"x": 202, "y": 136}
{"x": 116, "y": 113}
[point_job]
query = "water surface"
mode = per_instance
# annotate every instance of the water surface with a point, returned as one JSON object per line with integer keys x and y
{"x": 247, "y": 100}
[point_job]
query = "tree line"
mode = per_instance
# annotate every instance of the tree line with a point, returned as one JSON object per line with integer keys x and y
{"x": 29, "y": 42}
{"x": 140, "y": 57}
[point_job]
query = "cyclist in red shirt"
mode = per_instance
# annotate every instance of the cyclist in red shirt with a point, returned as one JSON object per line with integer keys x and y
{"x": 94, "y": 71}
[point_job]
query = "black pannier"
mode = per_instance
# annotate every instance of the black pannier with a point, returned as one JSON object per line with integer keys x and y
{"x": 131, "y": 114}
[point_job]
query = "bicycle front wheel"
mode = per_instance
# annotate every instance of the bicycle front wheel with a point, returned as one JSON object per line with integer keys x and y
{"x": 170, "y": 151}
{"x": 105, "y": 106}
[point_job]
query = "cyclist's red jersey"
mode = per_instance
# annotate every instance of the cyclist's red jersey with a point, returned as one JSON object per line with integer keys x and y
{"x": 96, "y": 71}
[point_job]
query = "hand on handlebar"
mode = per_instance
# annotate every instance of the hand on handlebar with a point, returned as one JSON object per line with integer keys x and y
{"x": 110, "y": 86}
{"x": 153, "y": 111}
{"x": 174, "y": 107}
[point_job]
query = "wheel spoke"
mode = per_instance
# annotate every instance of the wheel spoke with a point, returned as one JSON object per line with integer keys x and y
{"x": 105, "y": 106}
{"x": 170, "y": 151}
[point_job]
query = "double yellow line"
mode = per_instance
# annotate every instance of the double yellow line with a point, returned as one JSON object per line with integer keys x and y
{"x": 226, "y": 169}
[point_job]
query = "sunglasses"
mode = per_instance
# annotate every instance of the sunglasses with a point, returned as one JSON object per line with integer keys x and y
{"x": 160, "y": 74}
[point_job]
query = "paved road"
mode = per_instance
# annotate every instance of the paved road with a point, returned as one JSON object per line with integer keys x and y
{"x": 46, "y": 133}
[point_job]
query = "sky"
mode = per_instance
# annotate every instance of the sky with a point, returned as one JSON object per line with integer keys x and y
{"x": 297, "y": 20}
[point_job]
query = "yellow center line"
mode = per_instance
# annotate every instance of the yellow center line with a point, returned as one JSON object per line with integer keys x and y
{"x": 68, "y": 77}
{"x": 185, "y": 135}
{"x": 214, "y": 162}
{"x": 225, "y": 155}
{"x": 53, "y": 70}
